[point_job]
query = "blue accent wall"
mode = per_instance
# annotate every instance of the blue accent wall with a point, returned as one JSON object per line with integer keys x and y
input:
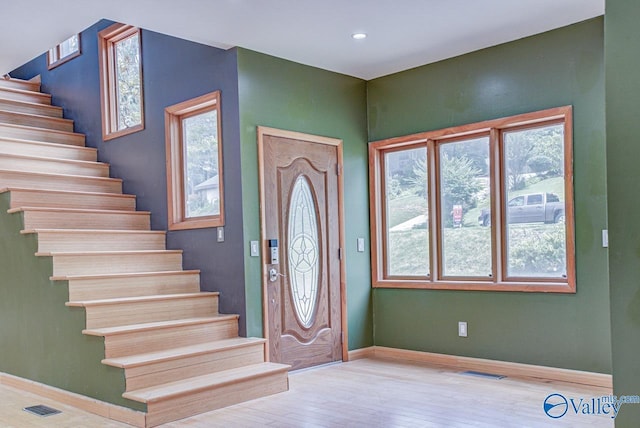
{"x": 174, "y": 70}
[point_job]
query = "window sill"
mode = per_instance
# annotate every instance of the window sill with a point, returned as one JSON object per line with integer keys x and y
{"x": 525, "y": 287}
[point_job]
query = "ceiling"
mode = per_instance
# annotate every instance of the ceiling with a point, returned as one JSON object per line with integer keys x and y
{"x": 402, "y": 34}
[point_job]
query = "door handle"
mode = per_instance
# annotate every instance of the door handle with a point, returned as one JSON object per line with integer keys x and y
{"x": 274, "y": 274}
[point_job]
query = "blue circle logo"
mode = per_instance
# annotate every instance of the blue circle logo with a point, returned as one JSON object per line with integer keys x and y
{"x": 555, "y": 406}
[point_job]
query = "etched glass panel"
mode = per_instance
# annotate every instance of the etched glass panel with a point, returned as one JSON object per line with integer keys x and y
{"x": 303, "y": 251}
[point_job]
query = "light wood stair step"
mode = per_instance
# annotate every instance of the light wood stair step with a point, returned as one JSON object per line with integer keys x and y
{"x": 57, "y": 166}
{"x": 134, "y": 310}
{"x": 36, "y": 121}
{"x": 109, "y": 286}
{"x": 24, "y": 95}
{"x": 16, "y": 146}
{"x": 155, "y": 368}
{"x": 25, "y": 85}
{"x": 22, "y": 132}
{"x": 30, "y": 108}
{"x": 99, "y": 262}
{"x": 75, "y": 240}
{"x": 158, "y": 336}
{"x": 180, "y": 399}
{"x": 76, "y": 218}
{"x": 66, "y": 182}
{"x": 62, "y": 199}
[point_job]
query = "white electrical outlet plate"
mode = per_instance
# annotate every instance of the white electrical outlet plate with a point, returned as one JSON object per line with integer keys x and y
{"x": 360, "y": 245}
{"x": 462, "y": 329}
{"x": 255, "y": 249}
{"x": 220, "y": 234}
{"x": 605, "y": 238}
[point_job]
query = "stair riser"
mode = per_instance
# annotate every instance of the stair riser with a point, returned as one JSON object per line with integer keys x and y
{"x": 29, "y": 108}
{"x": 205, "y": 401}
{"x": 13, "y": 147}
{"x": 53, "y": 166}
{"x": 21, "y": 199}
{"x": 110, "y": 288}
{"x": 94, "y": 241}
{"x": 142, "y": 312}
{"x": 23, "y": 85}
{"x": 187, "y": 367}
{"x": 91, "y": 264}
{"x": 68, "y": 183}
{"x": 30, "y": 97}
{"x": 70, "y": 220}
{"x": 41, "y": 135}
{"x": 121, "y": 345}
{"x": 36, "y": 121}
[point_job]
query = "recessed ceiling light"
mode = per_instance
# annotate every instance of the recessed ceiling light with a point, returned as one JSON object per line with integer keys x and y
{"x": 359, "y": 36}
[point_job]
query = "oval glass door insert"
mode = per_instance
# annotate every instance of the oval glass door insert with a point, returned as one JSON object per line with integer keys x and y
{"x": 304, "y": 248}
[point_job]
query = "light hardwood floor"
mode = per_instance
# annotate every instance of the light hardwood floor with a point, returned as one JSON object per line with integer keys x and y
{"x": 362, "y": 393}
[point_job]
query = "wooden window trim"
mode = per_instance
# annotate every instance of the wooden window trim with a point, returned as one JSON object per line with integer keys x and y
{"x": 174, "y": 115}
{"x": 430, "y": 139}
{"x": 107, "y": 39}
{"x": 55, "y": 60}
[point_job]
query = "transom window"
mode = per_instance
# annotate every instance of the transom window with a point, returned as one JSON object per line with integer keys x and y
{"x": 194, "y": 159}
{"x": 484, "y": 206}
{"x": 64, "y": 52}
{"x": 121, "y": 81}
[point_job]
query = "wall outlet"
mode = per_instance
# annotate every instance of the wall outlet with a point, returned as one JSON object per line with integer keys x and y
{"x": 462, "y": 328}
{"x": 360, "y": 245}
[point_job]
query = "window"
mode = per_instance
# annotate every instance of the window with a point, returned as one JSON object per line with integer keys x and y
{"x": 485, "y": 206}
{"x": 121, "y": 81}
{"x": 194, "y": 163}
{"x": 64, "y": 52}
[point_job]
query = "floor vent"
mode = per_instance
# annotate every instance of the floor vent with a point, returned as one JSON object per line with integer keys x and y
{"x": 482, "y": 374}
{"x": 41, "y": 410}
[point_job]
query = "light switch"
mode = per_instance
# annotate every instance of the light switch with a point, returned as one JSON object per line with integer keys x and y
{"x": 360, "y": 245}
{"x": 605, "y": 238}
{"x": 255, "y": 249}
{"x": 220, "y": 234}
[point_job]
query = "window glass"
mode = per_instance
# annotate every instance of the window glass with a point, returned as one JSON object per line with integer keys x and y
{"x": 69, "y": 46}
{"x": 465, "y": 208}
{"x": 202, "y": 186}
{"x": 536, "y": 233}
{"x": 407, "y": 207}
{"x": 128, "y": 82}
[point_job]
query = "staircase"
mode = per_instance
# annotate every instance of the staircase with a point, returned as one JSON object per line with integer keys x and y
{"x": 180, "y": 356}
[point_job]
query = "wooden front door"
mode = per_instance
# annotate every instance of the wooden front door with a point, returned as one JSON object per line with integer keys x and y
{"x": 301, "y": 230}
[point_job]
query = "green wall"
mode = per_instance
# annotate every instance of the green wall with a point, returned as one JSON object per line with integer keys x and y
{"x": 286, "y": 95}
{"x": 622, "y": 39}
{"x": 561, "y": 67}
{"x": 41, "y": 339}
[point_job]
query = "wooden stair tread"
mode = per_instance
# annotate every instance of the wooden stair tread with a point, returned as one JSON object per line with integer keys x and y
{"x": 96, "y": 231}
{"x": 76, "y": 210}
{"x": 49, "y": 159}
{"x": 48, "y": 131}
{"x": 47, "y": 144}
{"x": 151, "y": 298}
{"x": 26, "y": 92}
{"x": 158, "y": 325}
{"x": 110, "y": 253}
{"x": 176, "y": 353}
{"x": 124, "y": 275}
{"x": 52, "y": 111}
{"x": 26, "y": 85}
{"x": 66, "y": 192}
{"x": 204, "y": 382}
{"x": 22, "y": 115}
{"x": 49, "y": 174}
